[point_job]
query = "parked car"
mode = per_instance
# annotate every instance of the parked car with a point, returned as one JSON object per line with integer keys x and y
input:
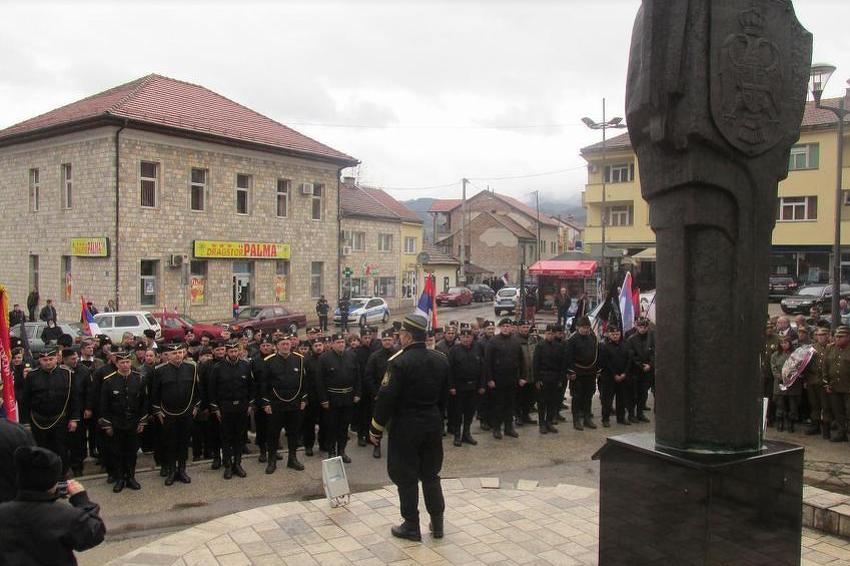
{"x": 34, "y": 330}
{"x": 481, "y": 293}
{"x": 365, "y": 310}
{"x": 506, "y": 300}
{"x": 782, "y": 286}
{"x": 115, "y": 324}
{"x": 455, "y": 297}
{"x": 176, "y": 325}
{"x": 267, "y": 318}
{"x": 806, "y": 297}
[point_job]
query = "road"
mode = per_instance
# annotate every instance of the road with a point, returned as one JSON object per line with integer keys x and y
{"x": 136, "y": 518}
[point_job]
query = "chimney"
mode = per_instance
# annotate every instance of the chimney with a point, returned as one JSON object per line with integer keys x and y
{"x": 348, "y": 181}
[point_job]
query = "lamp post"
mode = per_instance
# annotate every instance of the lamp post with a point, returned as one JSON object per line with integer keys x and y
{"x": 820, "y": 75}
{"x": 604, "y": 125}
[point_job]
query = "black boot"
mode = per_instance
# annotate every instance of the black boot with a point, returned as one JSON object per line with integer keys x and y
{"x": 543, "y": 429}
{"x": 467, "y": 437}
{"x": 642, "y": 418}
{"x": 497, "y": 433}
{"x": 344, "y": 456}
{"x": 376, "y": 451}
{"x": 171, "y": 476}
{"x": 163, "y": 471}
{"x": 228, "y": 469}
{"x": 458, "y": 441}
{"x": 118, "y": 486}
{"x": 813, "y": 429}
{"x": 824, "y": 431}
{"x": 436, "y": 526}
{"x": 588, "y": 423}
{"x": 130, "y": 481}
{"x": 216, "y": 463}
{"x": 308, "y": 450}
{"x": 551, "y": 428}
{"x": 511, "y": 431}
{"x": 407, "y": 530}
{"x": 271, "y": 466}
{"x": 780, "y": 424}
{"x": 237, "y": 467}
{"x": 577, "y": 423}
{"x": 181, "y": 473}
{"x": 292, "y": 462}
{"x": 361, "y": 440}
{"x": 262, "y": 458}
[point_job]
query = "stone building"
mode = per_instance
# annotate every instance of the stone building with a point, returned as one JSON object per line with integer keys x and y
{"x": 160, "y": 193}
{"x": 380, "y": 240}
{"x": 501, "y": 232}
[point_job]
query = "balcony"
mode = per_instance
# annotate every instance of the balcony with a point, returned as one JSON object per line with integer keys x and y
{"x": 613, "y": 192}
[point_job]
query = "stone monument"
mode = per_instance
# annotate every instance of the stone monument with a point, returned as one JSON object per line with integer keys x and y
{"x": 715, "y": 98}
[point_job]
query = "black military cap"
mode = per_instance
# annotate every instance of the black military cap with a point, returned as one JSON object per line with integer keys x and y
{"x": 466, "y": 332}
{"x": 149, "y": 333}
{"x": 453, "y": 323}
{"x": 842, "y": 330}
{"x": 49, "y": 350}
{"x": 216, "y": 344}
{"x": 141, "y": 346}
{"x": 122, "y": 354}
{"x": 583, "y": 321}
{"x": 416, "y": 323}
{"x": 388, "y": 333}
{"x": 238, "y": 334}
{"x": 305, "y": 343}
{"x": 430, "y": 333}
{"x": 192, "y": 344}
{"x": 464, "y": 325}
{"x": 522, "y": 322}
{"x": 505, "y": 322}
{"x": 552, "y": 328}
{"x": 488, "y": 323}
{"x": 231, "y": 344}
{"x": 65, "y": 340}
{"x": 175, "y": 346}
{"x": 205, "y": 351}
{"x": 337, "y": 336}
{"x": 68, "y": 352}
{"x": 367, "y": 330}
{"x": 396, "y": 325}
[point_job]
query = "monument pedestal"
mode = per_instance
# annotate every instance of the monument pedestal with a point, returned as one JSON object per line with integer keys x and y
{"x": 666, "y": 507}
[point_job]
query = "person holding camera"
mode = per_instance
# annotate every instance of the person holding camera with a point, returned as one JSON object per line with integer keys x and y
{"x": 37, "y": 528}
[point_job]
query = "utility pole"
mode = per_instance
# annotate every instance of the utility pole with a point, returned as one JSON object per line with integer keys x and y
{"x": 537, "y": 201}
{"x": 463, "y": 235}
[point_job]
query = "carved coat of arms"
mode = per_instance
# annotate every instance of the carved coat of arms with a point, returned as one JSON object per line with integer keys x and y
{"x": 759, "y": 61}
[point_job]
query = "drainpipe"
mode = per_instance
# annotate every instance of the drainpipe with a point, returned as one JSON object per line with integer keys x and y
{"x": 338, "y": 235}
{"x": 115, "y": 247}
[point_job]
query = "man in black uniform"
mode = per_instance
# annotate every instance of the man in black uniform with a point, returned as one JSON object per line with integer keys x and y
{"x": 582, "y": 362}
{"x": 466, "y": 385}
{"x": 409, "y": 397}
{"x": 230, "y": 391}
{"x": 54, "y": 405}
{"x": 615, "y": 382}
{"x": 642, "y": 349}
{"x": 502, "y": 366}
{"x": 549, "y": 376}
{"x": 313, "y": 411}
{"x": 77, "y": 439}
{"x": 175, "y": 401}
{"x": 444, "y": 346}
{"x": 338, "y": 387}
{"x": 363, "y": 410}
{"x": 484, "y": 337}
{"x": 260, "y": 417}
{"x": 123, "y": 416}
{"x": 283, "y": 399}
{"x": 376, "y": 367}
{"x": 206, "y": 434}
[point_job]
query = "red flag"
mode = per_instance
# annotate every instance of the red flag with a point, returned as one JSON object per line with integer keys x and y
{"x": 9, "y": 402}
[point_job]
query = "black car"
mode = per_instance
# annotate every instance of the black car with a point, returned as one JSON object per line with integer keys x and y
{"x": 805, "y": 297}
{"x": 481, "y": 293}
{"x": 782, "y": 286}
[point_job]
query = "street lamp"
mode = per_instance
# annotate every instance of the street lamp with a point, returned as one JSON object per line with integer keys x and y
{"x": 820, "y": 75}
{"x": 604, "y": 125}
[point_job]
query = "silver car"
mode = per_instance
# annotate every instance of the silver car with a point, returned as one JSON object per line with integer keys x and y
{"x": 34, "y": 330}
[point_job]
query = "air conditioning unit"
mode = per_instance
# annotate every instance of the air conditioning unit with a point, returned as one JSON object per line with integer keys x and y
{"x": 177, "y": 260}
{"x": 307, "y": 189}
{"x": 346, "y": 250}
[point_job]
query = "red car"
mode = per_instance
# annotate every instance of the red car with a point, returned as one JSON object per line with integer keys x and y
{"x": 175, "y": 325}
{"x": 268, "y": 318}
{"x": 455, "y": 296}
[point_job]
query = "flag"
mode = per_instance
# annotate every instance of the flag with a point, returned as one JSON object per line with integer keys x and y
{"x": 627, "y": 304}
{"x": 87, "y": 318}
{"x": 9, "y": 403}
{"x": 505, "y": 279}
{"x": 427, "y": 305}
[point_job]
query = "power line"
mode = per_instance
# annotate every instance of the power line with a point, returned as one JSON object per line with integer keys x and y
{"x": 435, "y": 127}
{"x": 446, "y": 185}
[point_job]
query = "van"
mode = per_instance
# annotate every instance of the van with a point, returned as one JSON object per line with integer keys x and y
{"x": 115, "y": 324}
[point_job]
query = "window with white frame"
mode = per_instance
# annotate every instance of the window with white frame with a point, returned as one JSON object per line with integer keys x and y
{"x": 282, "y": 198}
{"x": 409, "y": 245}
{"x": 318, "y": 201}
{"x": 317, "y": 283}
{"x": 149, "y": 183}
{"x": 385, "y": 242}
{"x": 198, "y": 189}
{"x": 354, "y": 240}
{"x": 620, "y": 215}
{"x": 35, "y": 190}
{"x": 621, "y": 173}
{"x": 243, "y": 193}
{"x": 804, "y": 156}
{"x": 795, "y": 209}
{"x": 67, "y": 186}
{"x": 281, "y": 283}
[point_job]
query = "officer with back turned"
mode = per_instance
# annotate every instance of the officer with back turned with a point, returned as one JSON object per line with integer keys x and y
{"x": 409, "y": 398}
{"x": 466, "y": 386}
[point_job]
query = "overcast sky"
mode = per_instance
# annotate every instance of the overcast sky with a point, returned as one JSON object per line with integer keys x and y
{"x": 422, "y": 93}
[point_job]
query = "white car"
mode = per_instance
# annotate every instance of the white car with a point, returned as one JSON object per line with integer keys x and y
{"x": 506, "y": 300}
{"x": 365, "y": 310}
{"x": 115, "y": 324}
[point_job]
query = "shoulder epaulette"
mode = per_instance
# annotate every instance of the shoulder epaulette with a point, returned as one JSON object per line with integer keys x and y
{"x": 299, "y": 355}
{"x": 397, "y": 354}
{"x": 270, "y": 356}
{"x": 439, "y": 352}
{"x": 160, "y": 365}
{"x": 105, "y": 377}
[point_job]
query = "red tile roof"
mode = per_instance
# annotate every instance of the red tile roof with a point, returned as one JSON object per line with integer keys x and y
{"x": 445, "y": 205}
{"x": 155, "y": 100}
{"x": 812, "y": 118}
{"x": 355, "y": 200}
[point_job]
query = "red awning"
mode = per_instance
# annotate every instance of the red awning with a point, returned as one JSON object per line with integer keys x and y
{"x": 564, "y": 268}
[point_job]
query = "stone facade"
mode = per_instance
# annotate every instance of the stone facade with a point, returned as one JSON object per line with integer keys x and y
{"x": 168, "y": 228}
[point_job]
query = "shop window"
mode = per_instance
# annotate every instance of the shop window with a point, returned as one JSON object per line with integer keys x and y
{"x": 281, "y": 280}
{"x": 148, "y": 282}
{"x": 795, "y": 209}
{"x": 357, "y": 286}
{"x": 198, "y": 281}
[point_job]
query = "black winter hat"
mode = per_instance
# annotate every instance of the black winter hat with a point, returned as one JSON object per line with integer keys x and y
{"x": 38, "y": 469}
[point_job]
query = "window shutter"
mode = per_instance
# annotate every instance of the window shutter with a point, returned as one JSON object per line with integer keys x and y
{"x": 607, "y": 174}
{"x": 814, "y": 156}
{"x": 813, "y": 208}
{"x": 631, "y": 172}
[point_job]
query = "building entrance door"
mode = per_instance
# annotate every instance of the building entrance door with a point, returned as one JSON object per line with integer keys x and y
{"x": 242, "y": 279}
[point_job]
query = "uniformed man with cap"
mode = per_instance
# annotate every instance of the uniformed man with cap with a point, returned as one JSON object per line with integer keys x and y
{"x": 54, "y": 404}
{"x": 283, "y": 398}
{"x": 77, "y": 439}
{"x": 175, "y": 401}
{"x": 814, "y": 379}
{"x": 837, "y": 362}
{"x": 641, "y": 347}
{"x": 503, "y": 363}
{"x": 466, "y": 386}
{"x": 267, "y": 348}
{"x": 525, "y": 389}
{"x": 123, "y": 416}
{"x": 313, "y": 412}
{"x": 582, "y": 361}
{"x": 338, "y": 388}
{"x": 549, "y": 376}
{"x": 376, "y": 367}
{"x": 206, "y": 433}
{"x": 363, "y": 410}
{"x": 409, "y": 402}
{"x": 230, "y": 391}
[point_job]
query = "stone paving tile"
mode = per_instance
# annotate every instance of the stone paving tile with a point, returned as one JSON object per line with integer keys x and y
{"x": 528, "y": 526}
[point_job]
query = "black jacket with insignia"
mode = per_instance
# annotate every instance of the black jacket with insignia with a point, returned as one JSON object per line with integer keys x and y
{"x": 548, "y": 361}
{"x": 503, "y": 360}
{"x": 52, "y": 396}
{"x": 230, "y": 386}
{"x": 338, "y": 381}
{"x": 282, "y": 382}
{"x": 581, "y": 355}
{"x": 466, "y": 367}
{"x": 174, "y": 389}
{"x": 123, "y": 401}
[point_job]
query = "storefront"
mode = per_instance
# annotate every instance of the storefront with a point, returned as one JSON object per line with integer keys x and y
{"x": 807, "y": 264}
{"x": 577, "y": 276}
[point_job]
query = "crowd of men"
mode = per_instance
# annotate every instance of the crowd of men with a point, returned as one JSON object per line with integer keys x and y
{"x": 109, "y": 401}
